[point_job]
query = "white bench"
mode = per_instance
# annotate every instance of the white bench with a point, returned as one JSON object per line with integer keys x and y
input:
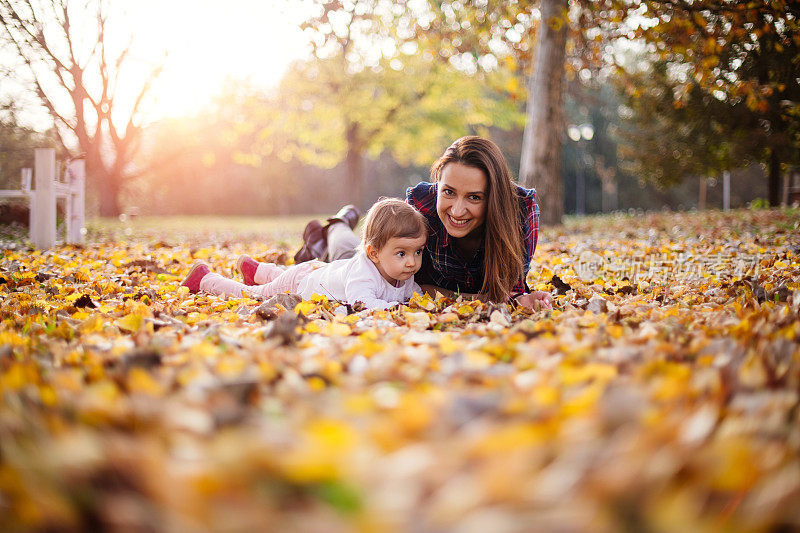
{"x": 49, "y": 189}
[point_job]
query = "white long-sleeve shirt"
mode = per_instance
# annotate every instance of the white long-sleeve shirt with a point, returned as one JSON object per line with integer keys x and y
{"x": 356, "y": 280}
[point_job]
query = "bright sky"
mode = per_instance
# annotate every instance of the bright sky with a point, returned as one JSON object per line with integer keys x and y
{"x": 210, "y": 41}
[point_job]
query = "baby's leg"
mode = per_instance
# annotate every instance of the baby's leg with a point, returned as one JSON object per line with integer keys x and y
{"x": 289, "y": 278}
{"x": 266, "y": 272}
{"x": 221, "y": 286}
{"x": 286, "y": 281}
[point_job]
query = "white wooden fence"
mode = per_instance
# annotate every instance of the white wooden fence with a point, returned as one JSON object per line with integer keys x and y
{"x": 49, "y": 189}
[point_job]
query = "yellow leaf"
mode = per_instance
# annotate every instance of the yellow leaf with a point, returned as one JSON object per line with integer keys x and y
{"x": 316, "y": 383}
{"x": 267, "y": 371}
{"x": 572, "y": 375}
{"x": 448, "y": 345}
{"x": 476, "y": 360}
{"x": 17, "y": 377}
{"x": 582, "y": 402}
{"x": 195, "y": 317}
{"x": 204, "y": 349}
{"x": 734, "y": 465}
{"x": 48, "y": 395}
{"x": 358, "y": 404}
{"x": 131, "y": 322}
{"x": 509, "y": 438}
{"x": 139, "y": 380}
{"x": 93, "y": 324}
{"x": 306, "y": 307}
{"x": 12, "y": 339}
{"x": 615, "y": 331}
{"x": 229, "y": 316}
{"x": 424, "y": 302}
{"x": 231, "y": 366}
{"x": 319, "y": 298}
{"x": 465, "y": 310}
{"x": 336, "y": 329}
{"x": 314, "y": 326}
{"x": 412, "y": 415}
{"x": 319, "y": 454}
{"x": 546, "y": 395}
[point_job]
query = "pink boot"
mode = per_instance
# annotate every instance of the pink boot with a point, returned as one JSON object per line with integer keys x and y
{"x": 247, "y": 266}
{"x": 195, "y": 276}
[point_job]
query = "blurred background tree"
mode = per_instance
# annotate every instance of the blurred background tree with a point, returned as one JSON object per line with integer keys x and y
{"x": 674, "y": 92}
{"x": 77, "y": 76}
{"x": 717, "y": 87}
{"x": 374, "y": 84}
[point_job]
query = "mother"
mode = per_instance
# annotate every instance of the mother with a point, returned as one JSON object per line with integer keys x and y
{"x": 483, "y": 226}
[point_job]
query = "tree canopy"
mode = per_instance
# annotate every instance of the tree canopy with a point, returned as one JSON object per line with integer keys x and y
{"x": 719, "y": 88}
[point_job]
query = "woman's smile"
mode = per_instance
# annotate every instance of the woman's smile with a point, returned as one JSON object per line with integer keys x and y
{"x": 458, "y": 223}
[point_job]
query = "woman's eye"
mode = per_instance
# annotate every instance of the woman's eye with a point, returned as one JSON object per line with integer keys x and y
{"x": 475, "y": 198}
{"x": 448, "y": 192}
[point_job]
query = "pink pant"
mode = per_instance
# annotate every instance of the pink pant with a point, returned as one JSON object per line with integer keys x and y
{"x": 272, "y": 279}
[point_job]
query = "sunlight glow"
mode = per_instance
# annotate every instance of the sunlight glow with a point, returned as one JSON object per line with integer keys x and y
{"x": 209, "y": 42}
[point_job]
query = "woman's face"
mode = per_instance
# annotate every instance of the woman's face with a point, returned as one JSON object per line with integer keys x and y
{"x": 461, "y": 199}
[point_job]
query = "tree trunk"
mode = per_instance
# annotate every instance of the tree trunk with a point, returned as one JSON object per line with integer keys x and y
{"x": 101, "y": 180}
{"x": 109, "y": 197}
{"x": 540, "y": 164}
{"x": 774, "y": 179}
{"x": 107, "y": 184}
{"x": 701, "y": 201}
{"x": 354, "y": 165}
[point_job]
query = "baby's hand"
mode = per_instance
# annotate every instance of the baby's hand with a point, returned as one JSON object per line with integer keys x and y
{"x": 536, "y": 300}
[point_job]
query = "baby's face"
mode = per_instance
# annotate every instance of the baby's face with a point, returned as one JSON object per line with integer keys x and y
{"x": 400, "y": 258}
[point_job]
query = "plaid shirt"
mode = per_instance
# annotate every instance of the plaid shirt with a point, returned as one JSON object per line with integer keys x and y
{"x": 444, "y": 265}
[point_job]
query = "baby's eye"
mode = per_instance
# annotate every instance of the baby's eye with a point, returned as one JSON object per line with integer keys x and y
{"x": 401, "y": 254}
{"x": 418, "y": 252}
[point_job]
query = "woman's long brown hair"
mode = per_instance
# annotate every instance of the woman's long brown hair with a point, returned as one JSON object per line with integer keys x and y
{"x": 503, "y": 232}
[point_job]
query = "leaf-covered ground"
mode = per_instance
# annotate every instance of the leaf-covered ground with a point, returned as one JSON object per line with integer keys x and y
{"x": 661, "y": 393}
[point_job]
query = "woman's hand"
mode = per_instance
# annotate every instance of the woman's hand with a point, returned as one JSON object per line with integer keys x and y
{"x": 536, "y": 300}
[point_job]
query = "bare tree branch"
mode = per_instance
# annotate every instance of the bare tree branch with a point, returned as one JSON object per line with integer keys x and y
{"x": 60, "y": 59}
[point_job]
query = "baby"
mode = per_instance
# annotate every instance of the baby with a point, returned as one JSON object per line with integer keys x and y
{"x": 380, "y": 275}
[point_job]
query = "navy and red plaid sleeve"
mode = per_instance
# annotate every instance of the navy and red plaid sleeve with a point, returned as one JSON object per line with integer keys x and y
{"x": 422, "y": 197}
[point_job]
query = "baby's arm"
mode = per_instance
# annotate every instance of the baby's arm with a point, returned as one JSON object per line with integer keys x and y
{"x": 362, "y": 289}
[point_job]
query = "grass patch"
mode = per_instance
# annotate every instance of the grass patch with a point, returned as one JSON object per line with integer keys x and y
{"x": 285, "y": 231}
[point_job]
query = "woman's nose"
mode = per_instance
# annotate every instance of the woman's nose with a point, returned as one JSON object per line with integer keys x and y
{"x": 458, "y": 208}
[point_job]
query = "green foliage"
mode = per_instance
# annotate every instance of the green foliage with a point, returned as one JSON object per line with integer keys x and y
{"x": 664, "y": 141}
{"x": 719, "y": 89}
{"x": 17, "y": 143}
{"x": 411, "y": 113}
{"x": 376, "y": 83}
